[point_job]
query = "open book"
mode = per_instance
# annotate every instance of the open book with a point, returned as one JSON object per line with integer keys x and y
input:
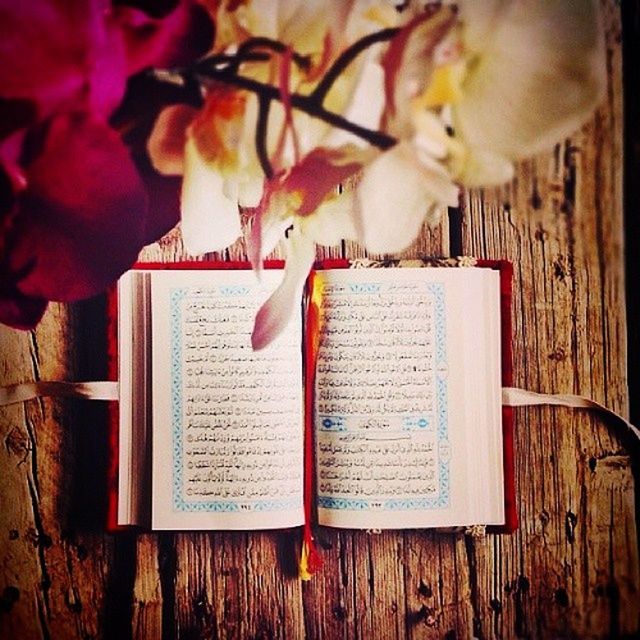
{"x": 388, "y": 378}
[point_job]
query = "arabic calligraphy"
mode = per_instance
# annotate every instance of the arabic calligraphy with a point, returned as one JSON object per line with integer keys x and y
{"x": 240, "y": 437}
{"x": 377, "y": 394}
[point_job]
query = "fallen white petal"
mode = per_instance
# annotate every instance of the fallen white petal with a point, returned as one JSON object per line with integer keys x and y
{"x": 276, "y": 313}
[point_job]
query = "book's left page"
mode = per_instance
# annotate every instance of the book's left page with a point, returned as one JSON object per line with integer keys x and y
{"x": 134, "y": 409}
{"x": 227, "y": 421}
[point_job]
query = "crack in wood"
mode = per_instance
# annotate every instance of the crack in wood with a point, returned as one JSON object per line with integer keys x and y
{"x": 472, "y": 565}
{"x": 42, "y": 595}
{"x": 168, "y": 562}
{"x": 118, "y": 607}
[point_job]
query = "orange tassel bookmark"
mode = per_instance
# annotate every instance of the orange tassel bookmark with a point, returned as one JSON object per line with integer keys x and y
{"x": 310, "y": 559}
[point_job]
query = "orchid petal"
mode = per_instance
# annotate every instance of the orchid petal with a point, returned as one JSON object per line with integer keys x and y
{"x": 218, "y": 129}
{"x": 390, "y": 218}
{"x": 431, "y": 134}
{"x": 54, "y": 53}
{"x": 163, "y": 193}
{"x": 210, "y": 221}
{"x": 333, "y": 221}
{"x": 365, "y": 107}
{"x": 168, "y": 138}
{"x": 266, "y": 232}
{"x": 304, "y": 24}
{"x": 176, "y": 39}
{"x": 482, "y": 168}
{"x": 409, "y": 64}
{"x": 20, "y": 311}
{"x": 319, "y": 175}
{"x": 82, "y": 216}
{"x": 480, "y": 19}
{"x": 539, "y": 76}
{"x": 276, "y": 313}
{"x": 270, "y": 221}
{"x": 250, "y": 190}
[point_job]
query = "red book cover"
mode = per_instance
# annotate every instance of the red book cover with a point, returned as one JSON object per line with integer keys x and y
{"x": 506, "y": 278}
{"x": 112, "y": 355}
{"x": 505, "y": 269}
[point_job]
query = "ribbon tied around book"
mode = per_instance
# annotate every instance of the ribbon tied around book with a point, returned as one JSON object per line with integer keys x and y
{"x": 107, "y": 390}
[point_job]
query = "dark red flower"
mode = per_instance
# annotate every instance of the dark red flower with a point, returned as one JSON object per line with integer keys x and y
{"x": 74, "y": 210}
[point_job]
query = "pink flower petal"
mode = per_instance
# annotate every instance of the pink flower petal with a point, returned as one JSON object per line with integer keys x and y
{"x": 319, "y": 174}
{"x": 408, "y": 64}
{"x": 173, "y": 40}
{"x": 163, "y": 212}
{"x": 269, "y": 224}
{"x": 57, "y": 52}
{"x": 82, "y": 217}
{"x": 20, "y": 311}
{"x": 277, "y": 311}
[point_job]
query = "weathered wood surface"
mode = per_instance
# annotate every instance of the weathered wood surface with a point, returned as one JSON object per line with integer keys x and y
{"x": 570, "y": 571}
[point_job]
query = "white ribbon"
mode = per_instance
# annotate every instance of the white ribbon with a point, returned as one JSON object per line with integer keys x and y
{"x": 107, "y": 390}
{"x": 99, "y": 390}
{"x": 514, "y": 397}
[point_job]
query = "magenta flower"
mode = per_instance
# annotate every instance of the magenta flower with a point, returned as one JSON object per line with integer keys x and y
{"x": 74, "y": 210}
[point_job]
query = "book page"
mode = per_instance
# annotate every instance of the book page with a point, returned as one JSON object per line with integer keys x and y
{"x": 134, "y": 411}
{"x": 397, "y": 438}
{"x": 227, "y": 421}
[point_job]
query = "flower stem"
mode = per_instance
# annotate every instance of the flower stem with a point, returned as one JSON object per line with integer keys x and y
{"x": 225, "y": 68}
{"x": 308, "y": 104}
{"x": 346, "y": 58}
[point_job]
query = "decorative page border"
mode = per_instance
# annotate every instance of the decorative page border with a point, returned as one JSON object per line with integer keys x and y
{"x": 176, "y": 296}
{"x": 444, "y": 451}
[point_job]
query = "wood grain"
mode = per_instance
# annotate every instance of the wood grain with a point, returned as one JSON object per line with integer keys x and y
{"x": 570, "y": 571}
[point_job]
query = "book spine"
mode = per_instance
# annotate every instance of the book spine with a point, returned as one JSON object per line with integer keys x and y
{"x": 113, "y": 410}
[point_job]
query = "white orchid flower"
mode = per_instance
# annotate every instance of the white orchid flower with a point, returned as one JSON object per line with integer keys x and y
{"x": 214, "y": 149}
{"x": 306, "y": 203}
{"x": 536, "y": 70}
{"x": 461, "y": 93}
{"x": 469, "y": 93}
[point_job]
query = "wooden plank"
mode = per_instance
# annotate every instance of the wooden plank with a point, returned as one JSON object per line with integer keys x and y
{"x": 571, "y": 570}
{"x": 146, "y": 610}
{"x": 53, "y": 580}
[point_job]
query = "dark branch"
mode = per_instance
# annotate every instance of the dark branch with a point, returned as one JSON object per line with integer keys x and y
{"x": 308, "y": 104}
{"x": 346, "y": 58}
{"x": 304, "y": 62}
{"x": 224, "y": 68}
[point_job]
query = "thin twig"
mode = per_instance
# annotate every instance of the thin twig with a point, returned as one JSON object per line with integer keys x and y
{"x": 308, "y": 104}
{"x": 304, "y": 62}
{"x": 345, "y": 59}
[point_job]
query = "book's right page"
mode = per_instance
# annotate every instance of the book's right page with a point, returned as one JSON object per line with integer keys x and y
{"x": 407, "y": 398}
